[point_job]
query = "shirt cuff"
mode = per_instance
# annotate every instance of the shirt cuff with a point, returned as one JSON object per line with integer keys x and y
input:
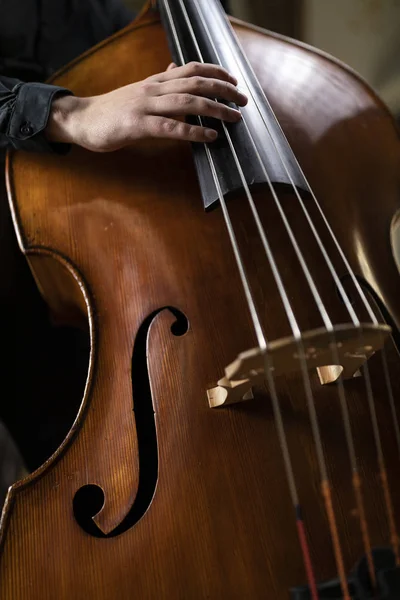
{"x": 30, "y": 115}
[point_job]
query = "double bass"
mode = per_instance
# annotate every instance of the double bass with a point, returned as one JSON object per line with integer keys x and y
{"x": 239, "y": 431}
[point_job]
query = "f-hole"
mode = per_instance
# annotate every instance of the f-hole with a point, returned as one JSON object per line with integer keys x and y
{"x": 89, "y": 499}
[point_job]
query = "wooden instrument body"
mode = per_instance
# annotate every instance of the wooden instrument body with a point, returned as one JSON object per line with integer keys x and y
{"x": 115, "y": 238}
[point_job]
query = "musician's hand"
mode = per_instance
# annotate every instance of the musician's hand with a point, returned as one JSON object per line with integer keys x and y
{"x": 153, "y": 108}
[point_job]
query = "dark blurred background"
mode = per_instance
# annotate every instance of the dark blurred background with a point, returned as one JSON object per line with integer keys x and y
{"x": 363, "y": 33}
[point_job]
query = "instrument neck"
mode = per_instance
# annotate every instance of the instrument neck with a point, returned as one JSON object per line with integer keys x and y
{"x": 198, "y": 30}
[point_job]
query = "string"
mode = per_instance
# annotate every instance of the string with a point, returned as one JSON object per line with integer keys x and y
{"x": 250, "y": 301}
{"x": 355, "y": 320}
{"x": 371, "y": 402}
{"x": 310, "y": 400}
{"x": 301, "y": 531}
{"x": 325, "y": 486}
{"x": 356, "y": 480}
{"x": 262, "y": 343}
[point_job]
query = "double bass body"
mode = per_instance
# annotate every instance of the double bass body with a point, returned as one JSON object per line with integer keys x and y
{"x": 189, "y": 501}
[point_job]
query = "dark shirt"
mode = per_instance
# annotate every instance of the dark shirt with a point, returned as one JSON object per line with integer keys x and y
{"x": 36, "y": 38}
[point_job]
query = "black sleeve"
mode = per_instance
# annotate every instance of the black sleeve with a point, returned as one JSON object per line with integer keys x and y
{"x": 24, "y": 111}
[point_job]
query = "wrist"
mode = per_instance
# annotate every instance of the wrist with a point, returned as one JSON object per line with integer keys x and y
{"x": 64, "y": 119}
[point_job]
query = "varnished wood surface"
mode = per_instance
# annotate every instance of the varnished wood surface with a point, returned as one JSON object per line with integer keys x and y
{"x": 128, "y": 232}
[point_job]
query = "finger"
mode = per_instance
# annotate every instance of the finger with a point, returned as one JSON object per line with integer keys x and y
{"x": 173, "y": 105}
{"x": 194, "y": 69}
{"x": 203, "y": 86}
{"x": 171, "y": 66}
{"x": 162, "y": 127}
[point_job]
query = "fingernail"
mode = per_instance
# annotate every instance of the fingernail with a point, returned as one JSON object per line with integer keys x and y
{"x": 211, "y": 134}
